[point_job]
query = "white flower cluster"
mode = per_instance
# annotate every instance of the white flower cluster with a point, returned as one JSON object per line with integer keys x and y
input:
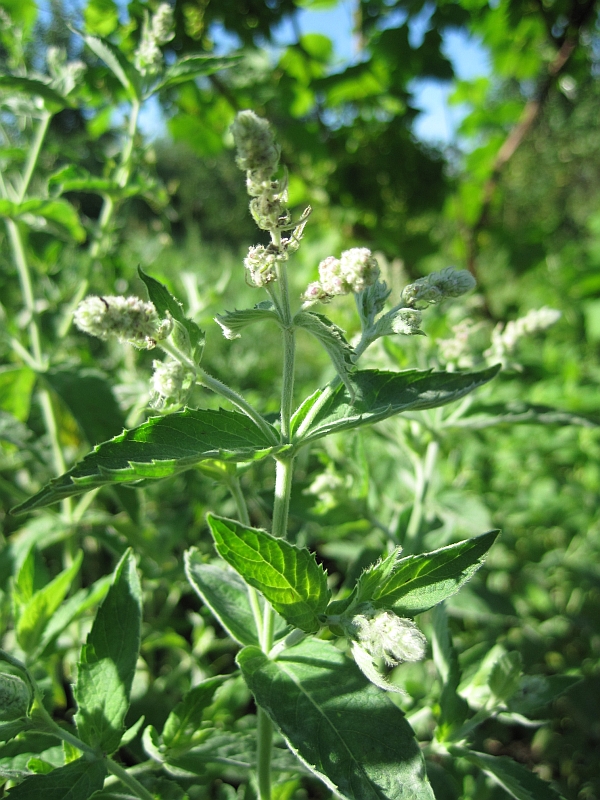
{"x": 148, "y": 57}
{"x": 171, "y": 383}
{"x": 437, "y": 286}
{"x": 65, "y": 74}
{"x": 261, "y": 263}
{"x": 506, "y": 338}
{"x": 353, "y": 272}
{"x": 129, "y": 319}
{"x": 384, "y": 634}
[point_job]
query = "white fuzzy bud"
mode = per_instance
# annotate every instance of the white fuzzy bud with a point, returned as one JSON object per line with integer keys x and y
{"x": 261, "y": 265}
{"x": 171, "y": 382}
{"x": 129, "y": 319}
{"x": 314, "y": 292}
{"x": 385, "y": 635}
{"x": 407, "y": 321}
{"x": 437, "y": 286}
{"x": 359, "y": 268}
{"x": 148, "y": 57}
{"x": 162, "y": 24}
{"x": 255, "y": 143}
{"x": 332, "y": 281}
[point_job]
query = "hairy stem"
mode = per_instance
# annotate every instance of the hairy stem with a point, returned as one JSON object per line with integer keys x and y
{"x": 132, "y": 783}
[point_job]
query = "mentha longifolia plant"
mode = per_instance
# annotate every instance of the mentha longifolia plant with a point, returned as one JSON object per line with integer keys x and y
{"x": 319, "y": 666}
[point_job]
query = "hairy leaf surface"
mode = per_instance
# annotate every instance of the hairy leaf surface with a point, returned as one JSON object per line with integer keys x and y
{"x": 378, "y": 395}
{"x": 343, "y": 728}
{"x": 288, "y": 576}
{"x": 160, "y": 447}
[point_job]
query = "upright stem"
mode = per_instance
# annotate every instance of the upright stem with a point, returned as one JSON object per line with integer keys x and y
{"x": 34, "y": 154}
{"x": 424, "y": 471}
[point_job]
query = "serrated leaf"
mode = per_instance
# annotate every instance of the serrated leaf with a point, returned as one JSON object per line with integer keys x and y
{"x": 162, "y": 446}
{"x": 165, "y": 302}
{"x": 186, "y": 718}
{"x": 225, "y": 593}
{"x": 378, "y": 395}
{"x": 233, "y": 321}
{"x": 191, "y": 67}
{"x": 515, "y": 779}
{"x": 116, "y": 62}
{"x": 333, "y": 340}
{"x": 76, "y": 781}
{"x": 33, "y": 87}
{"x": 342, "y": 727}
{"x": 376, "y": 574}
{"x": 420, "y": 582}
{"x": 288, "y": 576}
{"x": 108, "y": 658}
{"x": 39, "y": 609}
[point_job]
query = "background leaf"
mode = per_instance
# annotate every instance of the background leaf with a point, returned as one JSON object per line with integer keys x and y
{"x": 331, "y": 337}
{"x": 343, "y": 728}
{"x": 107, "y": 663}
{"x": 288, "y": 576}
{"x": 515, "y": 779}
{"x": 76, "y": 781}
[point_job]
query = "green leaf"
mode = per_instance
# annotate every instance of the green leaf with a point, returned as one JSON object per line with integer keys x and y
{"x": 77, "y": 781}
{"x": 519, "y": 782}
{"x": 186, "y": 718}
{"x": 16, "y": 385}
{"x": 288, "y": 576}
{"x": 101, "y": 17}
{"x": 162, "y": 446}
{"x": 89, "y": 398}
{"x": 38, "y": 610}
{"x": 225, "y": 593}
{"x": 74, "y": 178}
{"x": 421, "y": 582}
{"x": 115, "y": 60}
{"x": 107, "y": 663}
{"x": 233, "y": 321}
{"x": 333, "y": 340}
{"x": 536, "y": 691}
{"x": 378, "y": 395}
{"x": 191, "y": 67}
{"x": 505, "y": 675}
{"x": 60, "y": 213}
{"x": 165, "y": 302}
{"x": 342, "y": 727}
{"x": 53, "y": 101}
{"x": 484, "y": 416}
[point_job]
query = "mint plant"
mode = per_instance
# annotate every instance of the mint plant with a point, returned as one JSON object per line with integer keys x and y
{"x": 318, "y": 663}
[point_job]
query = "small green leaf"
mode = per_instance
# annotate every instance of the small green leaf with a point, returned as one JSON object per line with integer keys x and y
{"x": 288, "y": 576}
{"x": 186, "y": 718}
{"x": 38, "y": 610}
{"x": 505, "y": 675}
{"x": 116, "y": 62}
{"x": 484, "y": 416}
{"x": 59, "y": 213}
{"x": 101, "y": 17}
{"x": 378, "y": 395}
{"x": 191, "y": 67}
{"x": 515, "y": 779}
{"x": 536, "y": 691}
{"x": 107, "y": 664}
{"x": 53, "y": 101}
{"x": 421, "y": 582}
{"x": 76, "y": 781}
{"x": 165, "y": 302}
{"x": 16, "y": 385}
{"x": 162, "y": 446}
{"x": 344, "y": 729}
{"x": 233, "y": 321}
{"x": 333, "y": 340}
{"x": 74, "y": 178}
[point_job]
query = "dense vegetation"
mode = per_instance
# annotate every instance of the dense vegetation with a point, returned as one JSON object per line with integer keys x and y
{"x": 507, "y": 698}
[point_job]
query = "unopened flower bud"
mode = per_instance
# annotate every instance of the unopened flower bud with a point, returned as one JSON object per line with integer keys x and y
{"x": 128, "y": 318}
{"x": 385, "y": 635}
{"x": 437, "y": 286}
{"x": 15, "y": 697}
{"x": 359, "y": 268}
{"x": 407, "y": 321}
{"x": 171, "y": 381}
{"x": 314, "y": 292}
{"x": 162, "y": 24}
{"x": 255, "y": 143}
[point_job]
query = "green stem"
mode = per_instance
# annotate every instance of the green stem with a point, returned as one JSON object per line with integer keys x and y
{"x": 289, "y": 354}
{"x": 423, "y": 473}
{"x": 34, "y": 154}
{"x": 284, "y": 473}
{"x": 242, "y": 509}
{"x": 132, "y": 783}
